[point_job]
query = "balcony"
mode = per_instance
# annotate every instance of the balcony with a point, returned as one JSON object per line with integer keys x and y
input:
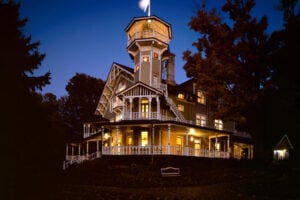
{"x": 145, "y": 34}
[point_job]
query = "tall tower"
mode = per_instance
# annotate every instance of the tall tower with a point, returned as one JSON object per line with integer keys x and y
{"x": 148, "y": 47}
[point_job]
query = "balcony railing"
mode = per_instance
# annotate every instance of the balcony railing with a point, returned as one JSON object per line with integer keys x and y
{"x": 148, "y": 34}
{"x": 147, "y": 116}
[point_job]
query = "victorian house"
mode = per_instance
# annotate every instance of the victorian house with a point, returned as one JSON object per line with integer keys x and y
{"x": 149, "y": 114}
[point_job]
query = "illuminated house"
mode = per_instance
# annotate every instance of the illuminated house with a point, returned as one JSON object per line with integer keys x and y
{"x": 149, "y": 114}
{"x": 283, "y": 148}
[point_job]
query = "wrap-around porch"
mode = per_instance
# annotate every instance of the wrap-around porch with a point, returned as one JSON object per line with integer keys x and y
{"x": 151, "y": 139}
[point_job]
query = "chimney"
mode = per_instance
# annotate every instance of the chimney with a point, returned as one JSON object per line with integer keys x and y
{"x": 171, "y": 69}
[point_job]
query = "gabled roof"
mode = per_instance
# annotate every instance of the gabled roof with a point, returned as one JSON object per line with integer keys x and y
{"x": 284, "y": 143}
{"x": 129, "y": 69}
{"x": 139, "y": 84}
{"x": 116, "y": 72}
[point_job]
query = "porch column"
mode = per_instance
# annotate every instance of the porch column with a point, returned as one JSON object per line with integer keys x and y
{"x": 249, "y": 151}
{"x": 84, "y": 130}
{"x": 209, "y": 143}
{"x": 139, "y": 106}
{"x": 72, "y": 150}
{"x": 102, "y": 136}
{"x": 150, "y": 109}
{"x": 130, "y": 108}
{"x": 67, "y": 151}
{"x": 152, "y": 143}
{"x": 97, "y": 148}
{"x": 87, "y": 149}
{"x": 228, "y": 146}
{"x": 117, "y": 139}
{"x": 79, "y": 149}
{"x": 169, "y": 138}
{"x": 97, "y": 142}
{"x": 110, "y": 143}
{"x": 123, "y": 108}
{"x": 186, "y": 141}
{"x": 158, "y": 107}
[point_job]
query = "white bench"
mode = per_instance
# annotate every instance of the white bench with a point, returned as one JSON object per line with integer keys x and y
{"x": 170, "y": 172}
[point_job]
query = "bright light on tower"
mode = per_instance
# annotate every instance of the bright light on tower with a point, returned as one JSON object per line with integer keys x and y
{"x": 144, "y": 4}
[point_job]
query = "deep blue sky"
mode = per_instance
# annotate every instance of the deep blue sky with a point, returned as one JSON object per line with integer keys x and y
{"x": 87, "y": 36}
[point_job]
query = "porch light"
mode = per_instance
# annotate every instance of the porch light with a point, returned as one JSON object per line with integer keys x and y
{"x": 106, "y": 136}
{"x": 192, "y": 131}
{"x": 192, "y": 138}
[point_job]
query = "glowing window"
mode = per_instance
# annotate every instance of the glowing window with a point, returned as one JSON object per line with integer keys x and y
{"x": 145, "y": 108}
{"x": 218, "y": 124}
{"x": 200, "y": 97}
{"x": 146, "y": 59}
{"x": 180, "y": 96}
{"x": 144, "y": 137}
{"x": 180, "y": 107}
{"x": 129, "y": 140}
{"x": 155, "y": 55}
{"x": 200, "y": 120}
{"x": 137, "y": 67}
{"x": 217, "y": 146}
{"x": 179, "y": 141}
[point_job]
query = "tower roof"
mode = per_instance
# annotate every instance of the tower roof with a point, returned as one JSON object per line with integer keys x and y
{"x": 152, "y": 17}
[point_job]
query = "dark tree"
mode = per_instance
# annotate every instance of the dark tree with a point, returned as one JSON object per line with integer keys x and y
{"x": 230, "y": 62}
{"x": 28, "y": 133}
{"x": 285, "y": 102}
{"x": 79, "y": 106}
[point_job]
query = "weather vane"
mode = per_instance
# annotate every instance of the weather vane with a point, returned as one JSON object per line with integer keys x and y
{"x": 144, "y": 5}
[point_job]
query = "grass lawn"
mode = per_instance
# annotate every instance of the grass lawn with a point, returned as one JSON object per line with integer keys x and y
{"x": 138, "y": 177}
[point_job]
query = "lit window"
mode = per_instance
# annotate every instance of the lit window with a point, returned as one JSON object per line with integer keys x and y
{"x": 181, "y": 107}
{"x": 217, "y": 146}
{"x": 129, "y": 140}
{"x": 145, "y": 108}
{"x": 200, "y": 120}
{"x": 179, "y": 140}
{"x": 200, "y": 97}
{"x": 137, "y": 67}
{"x": 146, "y": 59}
{"x": 180, "y": 96}
{"x": 144, "y": 135}
{"x": 155, "y": 55}
{"x": 218, "y": 124}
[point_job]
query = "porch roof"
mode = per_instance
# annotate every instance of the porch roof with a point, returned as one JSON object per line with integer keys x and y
{"x": 150, "y": 123}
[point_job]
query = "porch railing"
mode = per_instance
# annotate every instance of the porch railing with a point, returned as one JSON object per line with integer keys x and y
{"x": 77, "y": 159}
{"x": 145, "y": 150}
{"x": 163, "y": 150}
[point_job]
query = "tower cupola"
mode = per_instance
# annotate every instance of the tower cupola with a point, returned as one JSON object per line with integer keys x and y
{"x": 148, "y": 40}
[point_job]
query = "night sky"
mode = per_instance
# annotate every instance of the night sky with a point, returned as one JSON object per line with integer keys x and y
{"x": 87, "y": 36}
